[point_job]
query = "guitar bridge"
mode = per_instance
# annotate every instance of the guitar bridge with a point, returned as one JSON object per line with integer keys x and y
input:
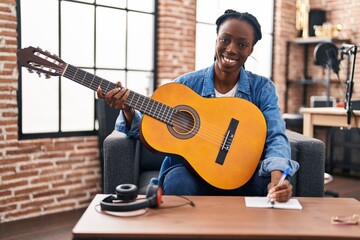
{"x": 226, "y": 144}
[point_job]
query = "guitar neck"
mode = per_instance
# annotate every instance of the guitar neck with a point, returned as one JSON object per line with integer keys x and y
{"x": 135, "y": 100}
{"x": 87, "y": 79}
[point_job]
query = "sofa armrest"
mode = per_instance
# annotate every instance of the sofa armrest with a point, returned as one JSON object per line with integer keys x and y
{"x": 119, "y": 164}
{"x": 310, "y": 154}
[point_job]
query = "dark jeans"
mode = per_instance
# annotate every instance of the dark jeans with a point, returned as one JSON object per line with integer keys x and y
{"x": 177, "y": 180}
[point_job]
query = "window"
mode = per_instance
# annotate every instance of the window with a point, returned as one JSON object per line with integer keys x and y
{"x": 111, "y": 39}
{"x": 208, "y": 11}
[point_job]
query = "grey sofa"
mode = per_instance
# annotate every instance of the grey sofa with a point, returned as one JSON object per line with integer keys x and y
{"x": 127, "y": 161}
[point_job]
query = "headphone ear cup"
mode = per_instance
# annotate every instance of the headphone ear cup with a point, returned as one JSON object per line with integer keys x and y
{"x": 154, "y": 195}
{"x": 126, "y": 192}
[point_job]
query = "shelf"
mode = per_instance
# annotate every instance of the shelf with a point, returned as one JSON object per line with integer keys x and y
{"x": 310, "y": 40}
{"x": 307, "y": 81}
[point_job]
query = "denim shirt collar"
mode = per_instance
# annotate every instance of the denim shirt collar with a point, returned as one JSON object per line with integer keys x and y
{"x": 208, "y": 89}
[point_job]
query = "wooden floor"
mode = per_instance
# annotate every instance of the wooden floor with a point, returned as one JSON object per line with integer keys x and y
{"x": 53, "y": 226}
{"x": 59, "y": 226}
{"x": 345, "y": 186}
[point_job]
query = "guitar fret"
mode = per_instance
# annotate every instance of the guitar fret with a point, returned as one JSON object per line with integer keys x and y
{"x": 137, "y": 100}
{"x": 82, "y": 80}
{"x": 162, "y": 105}
{"x": 87, "y": 81}
{"x": 96, "y": 81}
{"x": 148, "y": 102}
{"x": 157, "y": 110}
{"x": 65, "y": 69}
{"x": 142, "y": 102}
{"x": 152, "y": 108}
{"x": 156, "y": 107}
{"x": 168, "y": 117}
{"x": 161, "y": 112}
{"x": 99, "y": 84}
{"x": 72, "y": 76}
{"x": 107, "y": 88}
{"x": 131, "y": 99}
{"x": 66, "y": 74}
{"x": 79, "y": 75}
{"x": 165, "y": 114}
{"x": 92, "y": 81}
{"x": 75, "y": 73}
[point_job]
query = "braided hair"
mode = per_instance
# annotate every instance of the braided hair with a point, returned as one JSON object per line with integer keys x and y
{"x": 232, "y": 14}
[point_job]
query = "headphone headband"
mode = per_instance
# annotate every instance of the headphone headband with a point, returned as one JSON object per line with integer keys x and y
{"x": 126, "y": 200}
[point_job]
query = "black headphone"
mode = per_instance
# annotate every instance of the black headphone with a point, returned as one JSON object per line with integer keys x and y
{"x": 125, "y": 199}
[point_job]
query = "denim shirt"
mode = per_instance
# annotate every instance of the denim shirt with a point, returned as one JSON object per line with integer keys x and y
{"x": 254, "y": 88}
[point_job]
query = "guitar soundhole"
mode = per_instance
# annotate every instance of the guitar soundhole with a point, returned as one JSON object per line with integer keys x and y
{"x": 185, "y": 122}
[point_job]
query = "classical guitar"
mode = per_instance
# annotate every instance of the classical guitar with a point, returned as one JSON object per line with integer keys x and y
{"x": 221, "y": 139}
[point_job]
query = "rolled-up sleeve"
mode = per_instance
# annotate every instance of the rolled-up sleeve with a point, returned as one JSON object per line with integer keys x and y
{"x": 276, "y": 163}
{"x": 133, "y": 130}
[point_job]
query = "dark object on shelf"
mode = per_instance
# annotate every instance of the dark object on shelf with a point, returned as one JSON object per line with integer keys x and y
{"x": 316, "y": 17}
{"x": 322, "y": 101}
{"x": 325, "y": 54}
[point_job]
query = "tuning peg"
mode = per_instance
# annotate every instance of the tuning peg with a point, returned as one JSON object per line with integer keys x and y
{"x": 48, "y": 54}
{"x": 38, "y": 73}
{"x": 30, "y": 70}
{"x": 47, "y": 76}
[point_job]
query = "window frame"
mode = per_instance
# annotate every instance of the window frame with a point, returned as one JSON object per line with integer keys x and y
{"x": 60, "y": 133}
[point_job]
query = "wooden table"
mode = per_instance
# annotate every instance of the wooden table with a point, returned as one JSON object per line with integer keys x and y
{"x": 326, "y": 116}
{"x": 222, "y": 218}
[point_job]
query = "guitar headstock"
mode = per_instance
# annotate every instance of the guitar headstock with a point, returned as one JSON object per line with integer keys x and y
{"x": 35, "y": 59}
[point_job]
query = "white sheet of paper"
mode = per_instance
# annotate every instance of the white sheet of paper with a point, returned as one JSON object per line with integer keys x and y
{"x": 263, "y": 202}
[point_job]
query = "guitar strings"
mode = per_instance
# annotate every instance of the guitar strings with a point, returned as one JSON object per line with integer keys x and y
{"x": 209, "y": 133}
{"x": 181, "y": 121}
{"x": 164, "y": 114}
{"x": 181, "y": 117}
{"x": 212, "y": 133}
{"x": 88, "y": 81}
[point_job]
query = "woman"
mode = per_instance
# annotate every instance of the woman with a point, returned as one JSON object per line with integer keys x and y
{"x": 237, "y": 34}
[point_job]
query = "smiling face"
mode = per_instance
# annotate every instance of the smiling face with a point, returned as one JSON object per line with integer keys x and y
{"x": 234, "y": 44}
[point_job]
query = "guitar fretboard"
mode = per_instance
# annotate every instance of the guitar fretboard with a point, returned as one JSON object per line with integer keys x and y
{"x": 142, "y": 103}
